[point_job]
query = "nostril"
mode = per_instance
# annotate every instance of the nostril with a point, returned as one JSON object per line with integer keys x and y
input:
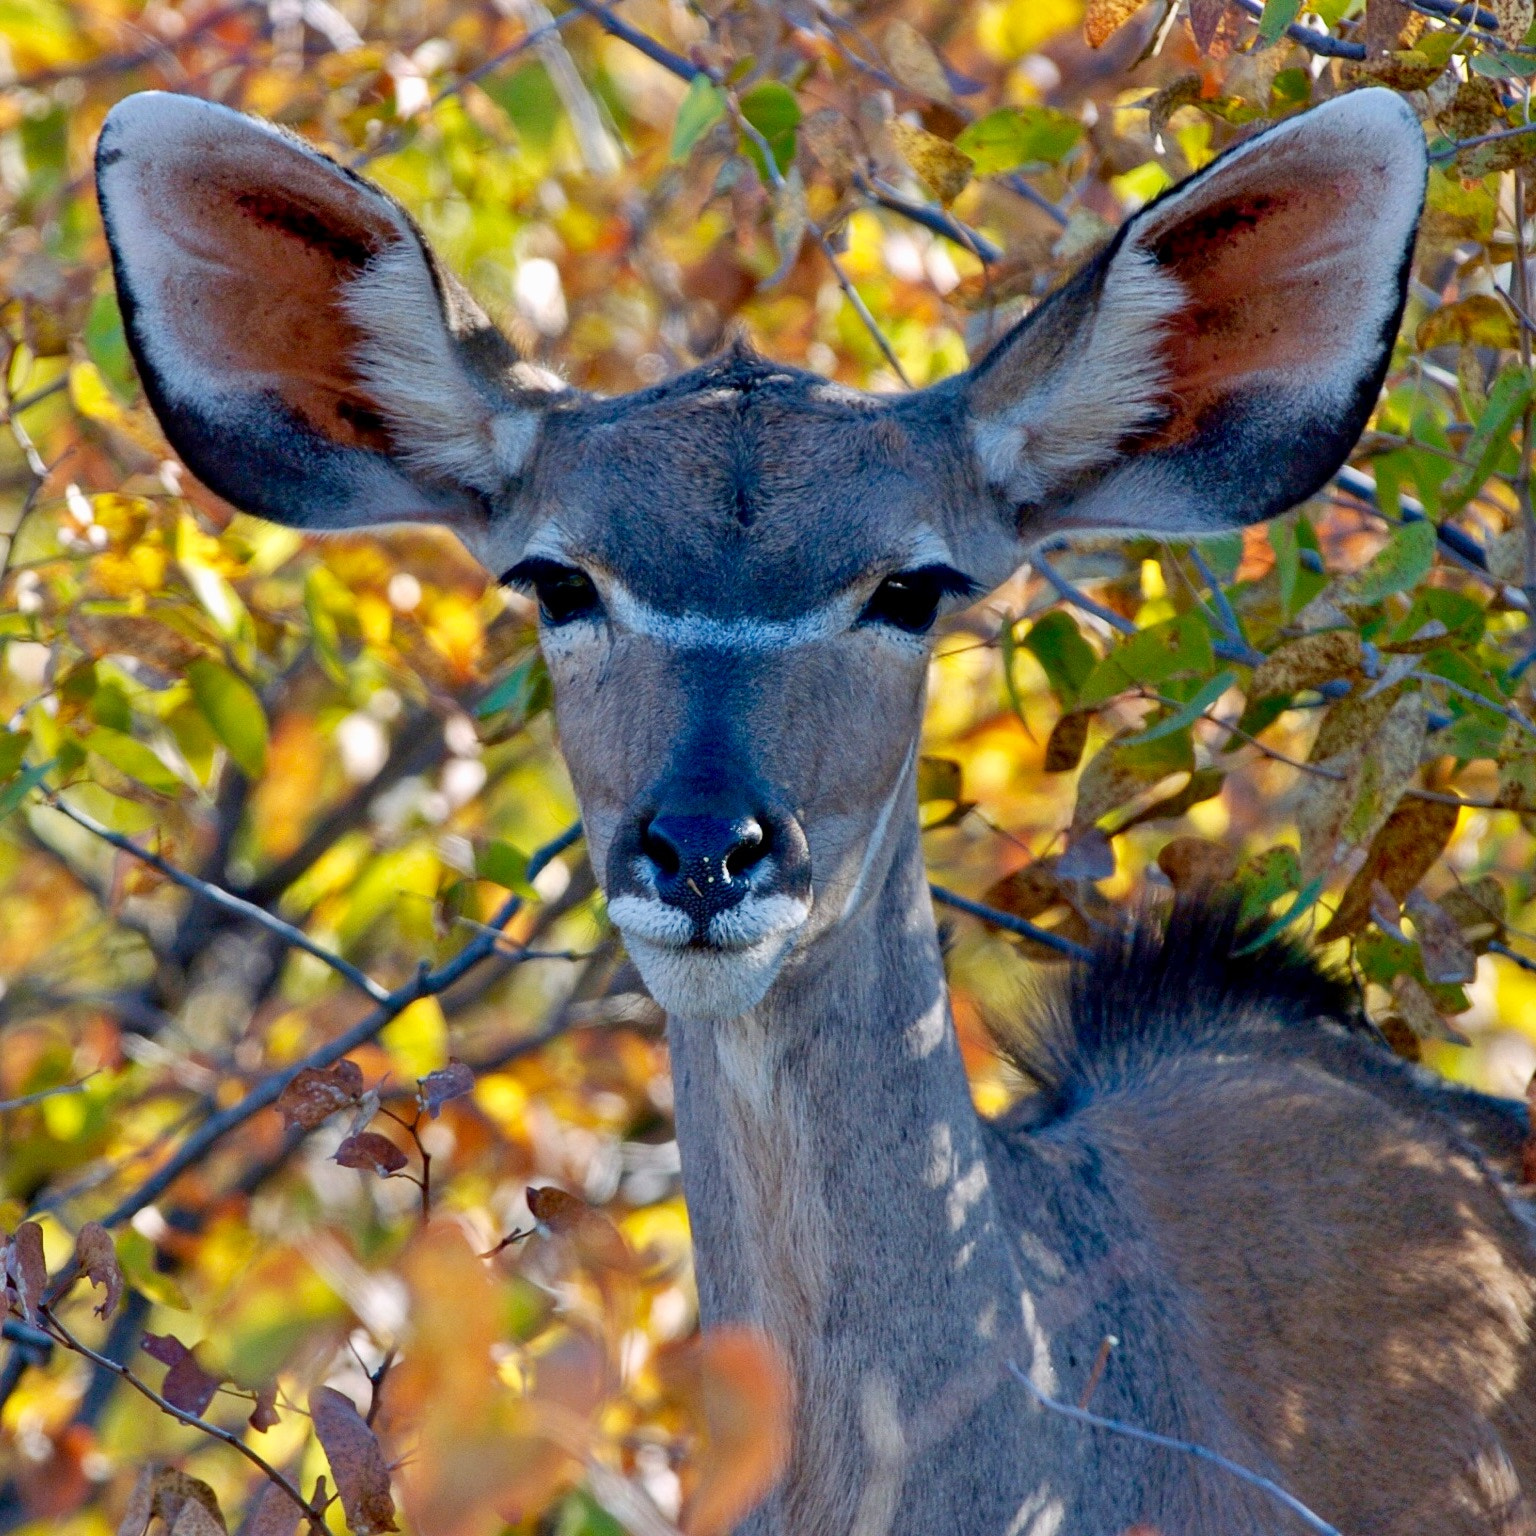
{"x": 750, "y": 848}
{"x": 661, "y": 850}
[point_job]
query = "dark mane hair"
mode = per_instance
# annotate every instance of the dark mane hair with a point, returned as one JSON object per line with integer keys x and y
{"x": 1163, "y": 984}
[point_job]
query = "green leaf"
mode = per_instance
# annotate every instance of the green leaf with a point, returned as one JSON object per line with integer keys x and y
{"x": 1174, "y": 648}
{"x": 136, "y": 1255}
{"x": 1305, "y": 899}
{"x": 504, "y": 865}
{"x": 701, "y": 109}
{"x": 18, "y": 789}
{"x": 13, "y": 747}
{"x": 1507, "y": 400}
{"x": 1189, "y": 713}
{"x": 230, "y": 706}
{"x": 1278, "y": 15}
{"x": 1015, "y": 136}
{"x": 524, "y": 691}
{"x": 1058, "y": 645}
{"x": 1223, "y": 552}
{"x": 1405, "y": 561}
{"x": 1267, "y": 877}
{"x": 1462, "y": 616}
{"x": 129, "y": 755}
{"x": 771, "y": 108}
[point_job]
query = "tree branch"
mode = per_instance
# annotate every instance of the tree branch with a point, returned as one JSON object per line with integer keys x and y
{"x": 1008, "y": 922}
{"x": 1167, "y": 1442}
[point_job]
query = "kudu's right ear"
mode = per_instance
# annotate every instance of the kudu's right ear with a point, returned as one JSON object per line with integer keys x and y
{"x": 303, "y": 353}
{"x": 1217, "y": 363}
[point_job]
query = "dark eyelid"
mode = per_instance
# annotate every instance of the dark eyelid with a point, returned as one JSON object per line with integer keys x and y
{"x": 526, "y": 574}
{"x": 946, "y": 580}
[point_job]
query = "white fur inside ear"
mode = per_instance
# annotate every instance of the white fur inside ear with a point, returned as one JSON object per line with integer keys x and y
{"x": 444, "y": 424}
{"x": 1076, "y": 417}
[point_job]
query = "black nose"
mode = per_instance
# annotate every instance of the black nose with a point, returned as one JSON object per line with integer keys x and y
{"x": 702, "y": 863}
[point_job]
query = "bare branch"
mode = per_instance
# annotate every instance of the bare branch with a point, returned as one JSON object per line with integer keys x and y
{"x": 221, "y": 898}
{"x": 426, "y": 983}
{"x": 1321, "y": 43}
{"x": 1008, "y": 922}
{"x": 213, "y": 1431}
{"x": 45, "y": 1093}
{"x": 1187, "y": 1447}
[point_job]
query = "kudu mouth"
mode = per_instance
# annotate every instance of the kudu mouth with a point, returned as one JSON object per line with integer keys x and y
{"x": 709, "y": 892}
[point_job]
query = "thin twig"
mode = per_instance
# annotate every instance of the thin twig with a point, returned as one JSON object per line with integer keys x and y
{"x": 1322, "y": 43}
{"x": 1169, "y": 1443}
{"x": 426, "y": 983}
{"x": 1497, "y": 948}
{"x": 1452, "y": 150}
{"x": 45, "y": 1093}
{"x": 222, "y": 898}
{"x": 214, "y": 1431}
{"x": 1010, "y": 923}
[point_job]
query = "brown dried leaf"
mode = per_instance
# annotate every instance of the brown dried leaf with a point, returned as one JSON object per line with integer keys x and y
{"x": 944, "y": 170}
{"x": 450, "y": 1082}
{"x": 97, "y": 1256}
{"x": 1105, "y": 17}
{"x": 195, "y": 1520}
{"x": 357, "y": 1463}
{"x": 1448, "y": 960}
{"x": 27, "y": 1269}
{"x": 1391, "y": 761}
{"x": 596, "y": 1238}
{"x": 832, "y": 140}
{"x": 187, "y": 1385}
{"x": 103, "y": 634}
{"x": 1195, "y": 863}
{"x": 1117, "y": 773}
{"x": 140, "y": 1508}
{"x": 1026, "y": 892}
{"x": 1064, "y": 750}
{"x": 1473, "y": 110}
{"x": 316, "y": 1093}
{"x": 736, "y": 1385}
{"x": 271, "y": 1513}
{"x": 264, "y": 1415}
{"x": 175, "y": 1492}
{"x": 1306, "y": 662}
{"x": 1325, "y": 807}
{"x": 915, "y": 64}
{"x": 1204, "y": 784}
{"x": 1386, "y": 912}
{"x": 1205, "y": 19}
{"x": 1477, "y": 910}
{"x": 1418, "y": 1010}
{"x": 372, "y": 1153}
{"x": 1400, "y": 855}
{"x": 1479, "y": 320}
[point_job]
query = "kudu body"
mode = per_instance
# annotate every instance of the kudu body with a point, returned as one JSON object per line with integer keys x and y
{"x": 1302, "y": 1248}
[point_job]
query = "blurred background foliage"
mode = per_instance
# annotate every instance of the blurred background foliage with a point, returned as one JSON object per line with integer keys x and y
{"x": 352, "y": 735}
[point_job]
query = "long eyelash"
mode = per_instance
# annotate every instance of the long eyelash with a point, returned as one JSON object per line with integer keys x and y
{"x": 949, "y": 581}
{"x": 527, "y": 574}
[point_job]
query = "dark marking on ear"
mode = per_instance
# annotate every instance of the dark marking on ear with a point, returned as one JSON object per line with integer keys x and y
{"x": 304, "y": 224}
{"x": 1190, "y": 240}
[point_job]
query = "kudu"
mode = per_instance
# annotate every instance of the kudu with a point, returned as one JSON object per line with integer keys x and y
{"x": 1301, "y": 1245}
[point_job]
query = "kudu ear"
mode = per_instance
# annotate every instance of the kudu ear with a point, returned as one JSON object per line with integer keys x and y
{"x": 301, "y": 349}
{"x": 1217, "y": 363}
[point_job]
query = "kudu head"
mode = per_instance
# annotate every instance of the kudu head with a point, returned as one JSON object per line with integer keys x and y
{"x": 738, "y": 571}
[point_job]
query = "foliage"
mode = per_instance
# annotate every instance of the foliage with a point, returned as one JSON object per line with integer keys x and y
{"x": 372, "y": 1171}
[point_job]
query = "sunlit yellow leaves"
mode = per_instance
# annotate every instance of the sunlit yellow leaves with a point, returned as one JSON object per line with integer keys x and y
{"x": 914, "y": 63}
{"x": 417, "y": 1039}
{"x": 1104, "y": 18}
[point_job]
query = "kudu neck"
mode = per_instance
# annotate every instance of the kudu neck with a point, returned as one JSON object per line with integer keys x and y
{"x": 836, "y": 1179}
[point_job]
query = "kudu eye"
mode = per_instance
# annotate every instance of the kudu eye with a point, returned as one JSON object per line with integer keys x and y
{"x": 565, "y": 594}
{"x": 909, "y": 600}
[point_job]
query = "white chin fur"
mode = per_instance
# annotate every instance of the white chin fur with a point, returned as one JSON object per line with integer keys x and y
{"x": 754, "y": 936}
{"x": 708, "y": 983}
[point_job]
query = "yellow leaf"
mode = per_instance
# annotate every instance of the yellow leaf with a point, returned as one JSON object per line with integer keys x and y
{"x": 1480, "y": 320}
{"x": 417, "y": 1041}
{"x": 944, "y": 169}
{"x": 914, "y": 62}
{"x": 1105, "y": 17}
{"x": 90, "y": 396}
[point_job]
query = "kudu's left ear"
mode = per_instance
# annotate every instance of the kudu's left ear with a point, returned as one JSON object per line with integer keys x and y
{"x": 1217, "y": 363}
{"x": 302, "y": 350}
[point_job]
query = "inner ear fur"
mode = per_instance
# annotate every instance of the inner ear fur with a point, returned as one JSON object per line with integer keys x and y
{"x": 302, "y": 351}
{"x": 1218, "y": 362}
